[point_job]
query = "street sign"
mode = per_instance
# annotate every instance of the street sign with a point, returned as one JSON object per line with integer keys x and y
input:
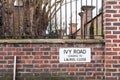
{"x": 74, "y": 55}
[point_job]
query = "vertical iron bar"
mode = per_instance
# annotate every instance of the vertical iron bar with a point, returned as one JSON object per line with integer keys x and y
{"x": 65, "y": 18}
{"x": 24, "y": 17}
{"x": 71, "y": 19}
{"x": 102, "y": 30}
{"x": 3, "y": 27}
{"x": 91, "y": 9}
{"x": 44, "y": 14}
{"x": 19, "y": 34}
{"x": 86, "y": 20}
{"x": 76, "y": 18}
{"x": 60, "y": 33}
{"x": 91, "y": 18}
{"x": 13, "y": 25}
{"x": 96, "y": 18}
{"x": 55, "y": 18}
{"x": 29, "y": 17}
{"x": 50, "y": 19}
{"x": 34, "y": 26}
{"x": 7, "y": 18}
{"x": 9, "y": 25}
{"x": 82, "y": 29}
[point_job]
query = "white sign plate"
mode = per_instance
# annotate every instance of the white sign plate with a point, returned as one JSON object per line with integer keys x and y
{"x": 74, "y": 55}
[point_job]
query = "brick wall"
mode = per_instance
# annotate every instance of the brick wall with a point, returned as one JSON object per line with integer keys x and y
{"x": 112, "y": 39}
{"x": 33, "y": 59}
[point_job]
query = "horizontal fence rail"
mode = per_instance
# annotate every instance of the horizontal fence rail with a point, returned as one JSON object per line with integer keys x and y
{"x": 42, "y": 19}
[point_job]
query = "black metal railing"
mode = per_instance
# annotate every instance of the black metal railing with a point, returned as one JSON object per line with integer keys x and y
{"x": 42, "y": 19}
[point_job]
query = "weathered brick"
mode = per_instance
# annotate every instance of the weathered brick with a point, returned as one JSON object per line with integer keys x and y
{"x": 55, "y": 70}
{"x": 111, "y": 19}
{"x": 45, "y": 57}
{"x": 27, "y": 49}
{"x": 111, "y": 70}
{"x": 45, "y": 49}
{"x": 54, "y": 61}
{"x": 116, "y": 15}
{"x": 111, "y": 2}
{"x": 116, "y": 24}
{"x": 116, "y": 65}
{"x": 116, "y": 32}
{"x": 81, "y": 73}
{"x": 108, "y": 24}
{"x": 108, "y": 7}
{"x": 37, "y": 61}
{"x": 111, "y": 78}
{"x": 116, "y": 41}
{"x": 111, "y": 36}
{"x": 116, "y": 49}
{"x": 80, "y": 65}
{"x": 28, "y": 65}
{"x": 111, "y": 53}
{"x": 9, "y": 57}
{"x": 63, "y": 65}
{"x": 72, "y": 69}
{"x": 111, "y": 61}
{"x": 45, "y": 65}
{"x": 116, "y": 6}
{"x": 116, "y": 74}
{"x": 111, "y": 28}
{"x": 116, "y": 57}
{"x": 111, "y": 11}
{"x": 3, "y": 62}
{"x": 107, "y": 15}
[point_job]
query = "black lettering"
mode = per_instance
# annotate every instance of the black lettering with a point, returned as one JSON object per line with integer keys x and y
{"x": 67, "y": 51}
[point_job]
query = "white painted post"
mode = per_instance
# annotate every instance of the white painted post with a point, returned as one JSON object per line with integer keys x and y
{"x": 14, "y": 72}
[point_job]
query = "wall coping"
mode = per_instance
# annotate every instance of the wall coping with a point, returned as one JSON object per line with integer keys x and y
{"x": 35, "y": 41}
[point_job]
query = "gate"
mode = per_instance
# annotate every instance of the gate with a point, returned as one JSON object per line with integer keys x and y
{"x": 42, "y": 19}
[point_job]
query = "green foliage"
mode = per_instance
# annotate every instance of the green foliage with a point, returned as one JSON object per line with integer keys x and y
{"x": 53, "y": 34}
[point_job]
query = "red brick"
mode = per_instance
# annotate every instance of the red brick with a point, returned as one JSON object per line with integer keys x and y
{"x": 107, "y": 15}
{"x": 116, "y": 7}
{"x": 111, "y": 70}
{"x": 1, "y": 57}
{"x": 45, "y": 65}
{"x": 27, "y": 49}
{"x": 116, "y": 32}
{"x": 19, "y": 65}
{"x": 111, "y": 11}
{"x": 108, "y": 74}
{"x": 72, "y": 69}
{"x": 116, "y": 15}
{"x": 108, "y": 65}
{"x": 28, "y": 61}
{"x": 111, "y": 28}
{"x": 111, "y": 2}
{"x": 108, "y": 49}
{"x": 107, "y": 19}
{"x": 107, "y": 24}
{"x": 116, "y": 49}
{"x": 111, "y": 61}
{"x": 111, "y": 53}
{"x": 108, "y": 7}
{"x": 108, "y": 41}
{"x": 111, "y": 45}
{"x": 111, "y": 36}
{"x": 116, "y": 24}
{"x": 1, "y": 66}
{"x": 116, "y": 57}
{"x": 116, "y": 41}
{"x": 107, "y": 32}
